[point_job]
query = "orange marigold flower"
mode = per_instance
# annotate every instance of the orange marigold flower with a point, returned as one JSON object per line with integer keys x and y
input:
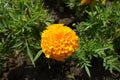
{"x": 58, "y": 41}
{"x": 85, "y": 2}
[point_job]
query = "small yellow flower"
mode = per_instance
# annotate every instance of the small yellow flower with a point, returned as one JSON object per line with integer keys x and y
{"x": 103, "y": 1}
{"x": 58, "y": 41}
{"x": 85, "y": 2}
{"x": 91, "y": 2}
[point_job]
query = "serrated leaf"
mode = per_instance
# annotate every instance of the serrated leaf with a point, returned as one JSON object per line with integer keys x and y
{"x": 38, "y": 55}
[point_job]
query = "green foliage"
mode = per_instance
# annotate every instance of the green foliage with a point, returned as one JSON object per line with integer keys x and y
{"x": 21, "y": 23}
{"x": 75, "y": 5}
{"x": 98, "y": 37}
{"x": 111, "y": 62}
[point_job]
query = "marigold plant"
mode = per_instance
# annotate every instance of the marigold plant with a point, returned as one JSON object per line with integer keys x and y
{"x": 58, "y": 41}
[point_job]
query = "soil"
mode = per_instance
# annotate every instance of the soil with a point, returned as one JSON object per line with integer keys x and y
{"x": 60, "y": 13}
{"x": 18, "y": 68}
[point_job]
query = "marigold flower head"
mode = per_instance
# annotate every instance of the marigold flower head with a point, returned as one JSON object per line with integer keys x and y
{"x": 58, "y": 42}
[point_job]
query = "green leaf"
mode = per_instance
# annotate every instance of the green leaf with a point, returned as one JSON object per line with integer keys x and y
{"x": 88, "y": 71}
{"x": 71, "y": 76}
{"x": 38, "y": 55}
{"x": 100, "y": 51}
{"x": 117, "y": 68}
{"x": 30, "y": 56}
{"x": 111, "y": 63}
{"x": 17, "y": 45}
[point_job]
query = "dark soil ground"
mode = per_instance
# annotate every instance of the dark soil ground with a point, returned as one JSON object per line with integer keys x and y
{"x": 20, "y": 69}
